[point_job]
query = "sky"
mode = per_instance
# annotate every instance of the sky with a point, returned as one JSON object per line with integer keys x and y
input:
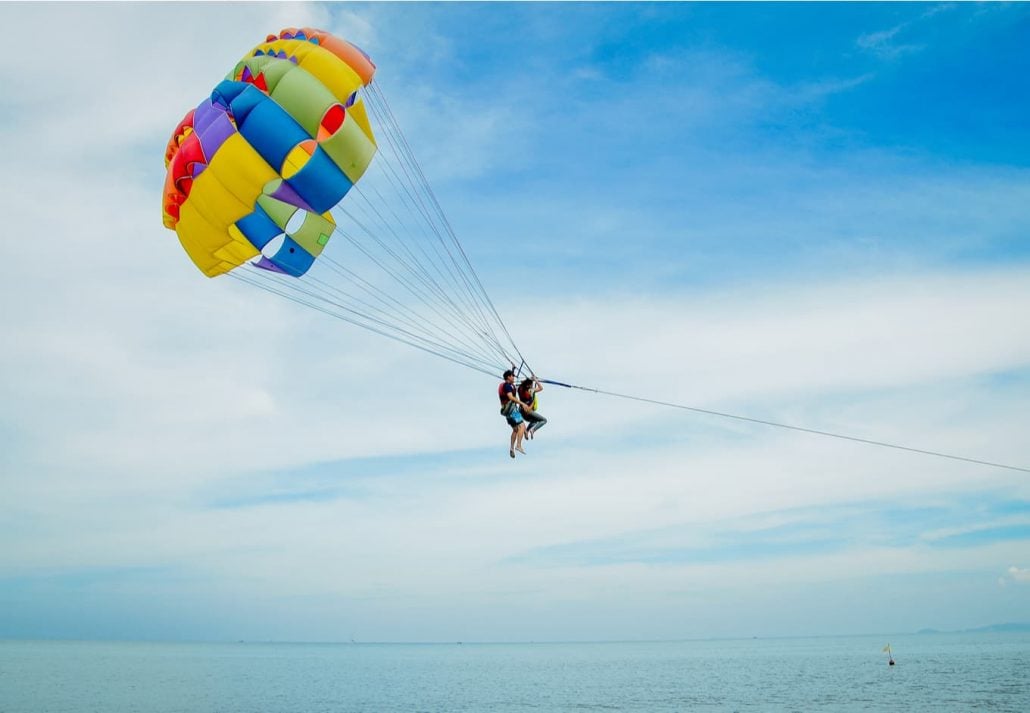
{"x": 812, "y": 214}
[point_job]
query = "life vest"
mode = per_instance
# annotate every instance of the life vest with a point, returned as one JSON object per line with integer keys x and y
{"x": 502, "y": 393}
{"x": 528, "y": 397}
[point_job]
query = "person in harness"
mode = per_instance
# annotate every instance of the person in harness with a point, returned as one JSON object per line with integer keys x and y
{"x": 528, "y": 390}
{"x": 511, "y": 409}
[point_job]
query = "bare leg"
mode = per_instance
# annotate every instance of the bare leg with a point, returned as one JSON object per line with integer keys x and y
{"x": 518, "y": 437}
{"x": 511, "y": 448}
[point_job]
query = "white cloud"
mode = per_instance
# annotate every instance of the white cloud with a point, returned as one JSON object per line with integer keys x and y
{"x": 1015, "y": 575}
{"x": 138, "y": 417}
{"x": 885, "y": 44}
{"x": 119, "y": 75}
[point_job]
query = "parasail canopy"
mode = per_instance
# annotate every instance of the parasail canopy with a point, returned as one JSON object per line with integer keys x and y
{"x": 283, "y": 135}
{"x": 282, "y": 159}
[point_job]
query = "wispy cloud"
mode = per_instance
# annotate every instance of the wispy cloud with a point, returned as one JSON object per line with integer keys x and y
{"x": 1015, "y": 575}
{"x": 888, "y": 44}
{"x": 883, "y": 43}
{"x": 791, "y": 534}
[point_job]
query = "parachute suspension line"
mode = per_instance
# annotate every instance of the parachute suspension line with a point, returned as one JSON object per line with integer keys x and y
{"x": 405, "y": 193}
{"x": 411, "y": 170}
{"x": 385, "y": 317}
{"x": 283, "y": 289}
{"x": 421, "y": 277}
{"x": 428, "y": 279}
{"x": 405, "y": 314}
{"x": 395, "y": 136}
{"x": 265, "y": 283}
{"x": 482, "y": 328}
{"x": 801, "y": 429}
{"x": 416, "y": 178}
{"x": 471, "y": 309}
{"x": 397, "y": 234}
{"x": 485, "y": 332}
{"x": 409, "y": 287}
{"x": 380, "y": 99}
{"x": 478, "y": 330}
{"x": 411, "y": 190}
{"x": 405, "y": 335}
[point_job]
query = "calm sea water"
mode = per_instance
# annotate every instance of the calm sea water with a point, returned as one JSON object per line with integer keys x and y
{"x": 941, "y": 672}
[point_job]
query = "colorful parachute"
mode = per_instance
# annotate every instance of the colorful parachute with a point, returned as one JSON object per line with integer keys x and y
{"x": 266, "y": 170}
{"x": 277, "y": 144}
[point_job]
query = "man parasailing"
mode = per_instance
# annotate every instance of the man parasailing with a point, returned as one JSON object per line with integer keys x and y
{"x": 511, "y": 409}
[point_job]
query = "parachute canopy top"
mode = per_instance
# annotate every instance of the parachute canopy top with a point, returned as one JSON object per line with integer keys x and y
{"x": 254, "y": 169}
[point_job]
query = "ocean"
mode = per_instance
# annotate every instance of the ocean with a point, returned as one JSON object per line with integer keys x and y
{"x": 934, "y": 672}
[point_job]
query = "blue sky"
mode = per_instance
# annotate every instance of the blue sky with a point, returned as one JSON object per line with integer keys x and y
{"x": 807, "y": 213}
